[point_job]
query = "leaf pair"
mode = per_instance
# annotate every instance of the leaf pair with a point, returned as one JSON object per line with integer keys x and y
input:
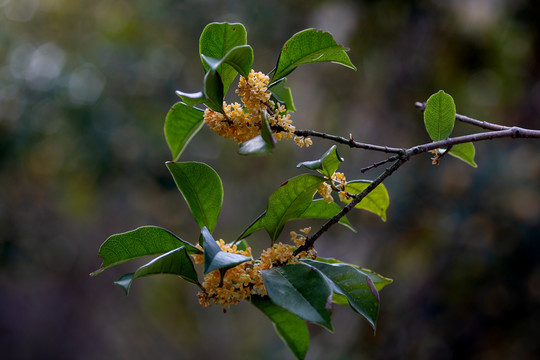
{"x": 144, "y": 241}
{"x": 439, "y": 119}
{"x": 305, "y": 291}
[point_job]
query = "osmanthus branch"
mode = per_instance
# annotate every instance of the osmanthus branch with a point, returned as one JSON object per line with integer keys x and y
{"x": 403, "y": 155}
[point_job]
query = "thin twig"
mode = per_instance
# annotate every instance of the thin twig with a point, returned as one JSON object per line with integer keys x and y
{"x": 482, "y": 124}
{"x": 349, "y": 142}
{"x": 379, "y": 163}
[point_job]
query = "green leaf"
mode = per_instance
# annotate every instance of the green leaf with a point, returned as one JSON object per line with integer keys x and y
{"x": 217, "y": 39}
{"x": 378, "y": 280}
{"x": 257, "y": 224}
{"x": 282, "y": 94}
{"x": 191, "y": 99}
{"x": 301, "y": 290}
{"x": 215, "y": 258}
{"x": 213, "y": 91}
{"x": 176, "y": 262}
{"x": 439, "y": 116}
{"x": 261, "y": 144}
{"x": 320, "y": 209}
{"x": 327, "y": 164}
{"x": 202, "y": 189}
{"x": 146, "y": 240}
{"x": 307, "y": 47}
{"x": 358, "y": 288}
{"x": 181, "y": 125}
{"x": 464, "y": 152}
{"x": 239, "y": 57}
{"x": 292, "y": 330}
{"x": 289, "y": 202}
{"x": 376, "y": 201}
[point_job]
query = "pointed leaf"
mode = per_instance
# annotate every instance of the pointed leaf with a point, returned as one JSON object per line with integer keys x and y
{"x": 261, "y": 144}
{"x": 215, "y": 258}
{"x": 289, "y": 202}
{"x": 310, "y": 46}
{"x": 318, "y": 209}
{"x": 376, "y": 201}
{"x": 181, "y": 125}
{"x": 217, "y": 39}
{"x": 257, "y": 224}
{"x": 292, "y": 330}
{"x": 439, "y": 116}
{"x": 282, "y": 94}
{"x": 464, "y": 152}
{"x": 327, "y": 164}
{"x": 191, "y": 99}
{"x": 359, "y": 289}
{"x": 202, "y": 189}
{"x": 175, "y": 262}
{"x": 301, "y": 290}
{"x": 378, "y": 280}
{"x": 146, "y": 240}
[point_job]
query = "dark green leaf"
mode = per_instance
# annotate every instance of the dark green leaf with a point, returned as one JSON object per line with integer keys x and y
{"x": 215, "y": 258}
{"x": 289, "y": 202}
{"x": 359, "y": 289}
{"x": 191, "y": 99}
{"x": 217, "y": 39}
{"x": 327, "y": 164}
{"x": 261, "y": 144}
{"x": 464, "y": 152}
{"x": 202, "y": 189}
{"x": 175, "y": 262}
{"x": 376, "y": 201}
{"x": 213, "y": 91}
{"x": 146, "y": 240}
{"x": 292, "y": 330}
{"x": 439, "y": 116}
{"x": 301, "y": 290}
{"x": 378, "y": 280}
{"x": 310, "y": 46}
{"x": 282, "y": 94}
{"x": 181, "y": 124}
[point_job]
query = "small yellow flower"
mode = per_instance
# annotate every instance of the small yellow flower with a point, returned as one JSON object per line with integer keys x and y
{"x": 325, "y": 191}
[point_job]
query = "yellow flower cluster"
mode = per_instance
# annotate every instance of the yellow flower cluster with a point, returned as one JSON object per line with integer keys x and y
{"x": 341, "y": 181}
{"x": 254, "y": 91}
{"x": 338, "y": 183}
{"x": 325, "y": 191}
{"x": 245, "y": 280}
{"x": 242, "y": 123}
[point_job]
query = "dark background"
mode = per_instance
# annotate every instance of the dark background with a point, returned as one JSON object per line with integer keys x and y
{"x": 84, "y": 90}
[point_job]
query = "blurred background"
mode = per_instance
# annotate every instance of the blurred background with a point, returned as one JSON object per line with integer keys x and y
{"x": 84, "y": 90}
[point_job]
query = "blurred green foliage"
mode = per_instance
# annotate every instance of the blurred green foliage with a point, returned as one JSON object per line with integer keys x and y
{"x": 84, "y": 90}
